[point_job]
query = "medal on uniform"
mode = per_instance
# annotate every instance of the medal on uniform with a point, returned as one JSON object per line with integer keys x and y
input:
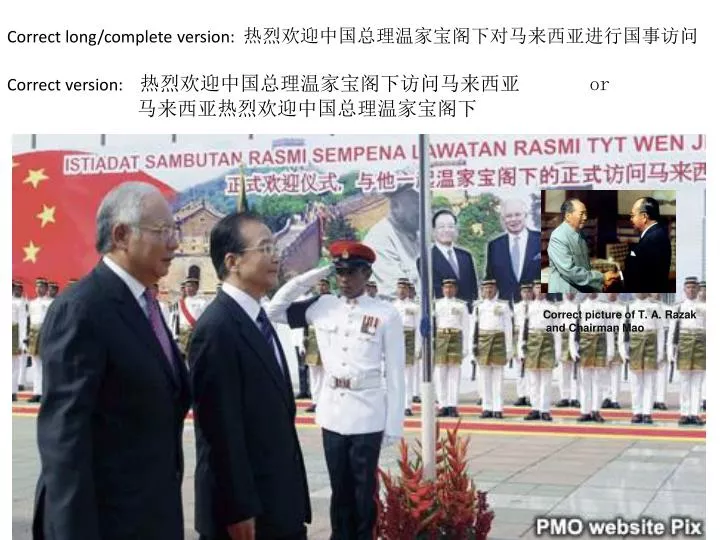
{"x": 369, "y": 325}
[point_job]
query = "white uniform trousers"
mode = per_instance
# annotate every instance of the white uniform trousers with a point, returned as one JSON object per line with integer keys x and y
{"x": 522, "y": 383}
{"x": 15, "y": 372}
{"x": 317, "y": 377}
{"x": 642, "y": 388}
{"x": 410, "y": 384}
{"x": 492, "y": 382}
{"x": 611, "y": 388}
{"x": 661, "y": 382}
{"x": 591, "y": 384}
{"x": 22, "y": 375}
{"x": 540, "y": 389}
{"x": 447, "y": 385}
{"x": 568, "y": 385}
{"x": 691, "y": 392}
{"x": 37, "y": 375}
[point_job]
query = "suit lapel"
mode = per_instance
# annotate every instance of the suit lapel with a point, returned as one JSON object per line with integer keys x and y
{"x": 259, "y": 347}
{"x": 130, "y": 311}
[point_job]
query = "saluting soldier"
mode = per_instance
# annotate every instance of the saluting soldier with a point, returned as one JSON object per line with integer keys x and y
{"x": 410, "y": 315}
{"x": 687, "y": 344}
{"x": 190, "y": 307}
{"x": 541, "y": 352}
{"x": 661, "y": 382}
{"x": 493, "y": 346}
{"x": 568, "y": 380}
{"x": 37, "y": 309}
{"x": 593, "y": 350}
{"x": 646, "y": 353}
{"x": 611, "y": 395}
{"x": 357, "y": 410}
{"x": 452, "y": 345}
{"x": 519, "y": 315}
{"x": 19, "y": 335}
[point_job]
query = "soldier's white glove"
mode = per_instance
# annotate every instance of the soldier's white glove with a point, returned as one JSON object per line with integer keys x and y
{"x": 310, "y": 278}
{"x": 301, "y": 349}
{"x": 390, "y": 440}
{"x": 468, "y": 358}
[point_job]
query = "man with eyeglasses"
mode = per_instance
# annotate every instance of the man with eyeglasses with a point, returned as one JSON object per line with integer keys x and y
{"x": 647, "y": 265}
{"x": 570, "y": 269}
{"x": 358, "y": 411}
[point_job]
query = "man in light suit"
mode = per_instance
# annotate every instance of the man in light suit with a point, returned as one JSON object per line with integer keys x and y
{"x": 115, "y": 390}
{"x": 250, "y": 480}
{"x": 513, "y": 257}
{"x": 450, "y": 261}
{"x": 570, "y": 269}
{"x": 647, "y": 266}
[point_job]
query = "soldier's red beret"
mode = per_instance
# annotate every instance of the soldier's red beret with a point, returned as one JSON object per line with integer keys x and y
{"x": 351, "y": 253}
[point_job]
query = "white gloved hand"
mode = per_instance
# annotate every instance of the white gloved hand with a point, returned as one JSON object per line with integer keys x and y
{"x": 301, "y": 349}
{"x": 310, "y": 278}
{"x": 468, "y": 358}
{"x": 390, "y": 440}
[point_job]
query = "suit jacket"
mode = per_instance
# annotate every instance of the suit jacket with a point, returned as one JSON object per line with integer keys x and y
{"x": 647, "y": 266}
{"x": 111, "y": 420}
{"x": 249, "y": 461}
{"x": 467, "y": 280}
{"x": 499, "y": 265}
{"x": 570, "y": 269}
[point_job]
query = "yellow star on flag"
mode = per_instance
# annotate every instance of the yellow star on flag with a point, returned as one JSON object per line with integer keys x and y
{"x": 34, "y": 177}
{"x": 46, "y": 216}
{"x": 31, "y": 251}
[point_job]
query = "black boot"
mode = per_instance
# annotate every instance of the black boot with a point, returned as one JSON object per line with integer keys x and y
{"x": 533, "y": 415}
{"x": 596, "y": 417}
{"x": 585, "y": 418}
{"x": 498, "y": 415}
{"x": 546, "y": 416}
{"x": 486, "y": 414}
{"x": 606, "y": 404}
{"x": 563, "y": 403}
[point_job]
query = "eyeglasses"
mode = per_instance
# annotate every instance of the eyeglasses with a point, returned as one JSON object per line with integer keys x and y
{"x": 266, "y": 249}
{"x": 165, "y": 233}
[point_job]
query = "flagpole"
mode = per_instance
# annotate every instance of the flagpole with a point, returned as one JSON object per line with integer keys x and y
{"x": 426, "y": 295}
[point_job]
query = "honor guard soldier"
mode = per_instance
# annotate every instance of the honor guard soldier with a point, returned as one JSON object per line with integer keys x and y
{"x": 53, "y": 289}
{"x": 410, "y": 314}
{"x": 493, "y": 346}
{"x": 357, "y": 410}
{"x": 541, "y": 353}
{"x": 520, "y": 314}
{"x": 593, "y": 349}
{"x": 645, "y": 354}
{"x": 661, "y": 382}
{"x": 37, "y": 309}
{"x": 612, "y": 389}
{"x": 687, "y": 345}
{"x": 452, "y": 346}
{"x": 190, "y": 307}
{"x": 164, "y": 307}
{"x": 311, "y": 353}
{"x": 701, "y": 299}
{"x": 568, "y": 380}
{"x": 19, "y": 334}
{"x": 371, "y": 289}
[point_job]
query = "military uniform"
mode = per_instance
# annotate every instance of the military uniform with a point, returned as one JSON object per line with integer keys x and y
{"x": 37, "y": 309}
{"x": 452, "y": 345}
{"x": 541, "y": 353}
{"x": 568, "y": 383}
{"x": 189, "y": 310}
{"x": 359, "y": 409}
{"x": 594, "y": 350}
{"x": 493, "y": 349}
{"x": 410, "y": 315}
{"x": 702, "y": 289}
{"x": 645, "y": 354}
{"x": 687, "y": 343}
{"x": 611, "y": 394}
{"x": 19, "y": 334}
{"x": 663, "y": 372}
{"x": 519, "y": 316}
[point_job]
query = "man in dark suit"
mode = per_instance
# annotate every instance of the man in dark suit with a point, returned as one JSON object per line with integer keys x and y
{"x": 250, "y": 479}
{"x": 647, "y": 266}
{"x": 115, "y": 391}
{"x": 450, "y": 261}
{"x": 514, "y": 257}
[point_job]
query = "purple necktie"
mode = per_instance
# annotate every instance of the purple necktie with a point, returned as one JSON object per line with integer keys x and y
{"x": 159, "y": 327}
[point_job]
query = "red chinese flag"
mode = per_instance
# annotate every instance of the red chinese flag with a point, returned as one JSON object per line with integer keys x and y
{"x": 54, "y": 216}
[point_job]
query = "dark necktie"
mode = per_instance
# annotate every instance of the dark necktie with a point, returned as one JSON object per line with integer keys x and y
{"x": 266, "y": 330}
{"x": 153, "y": 310}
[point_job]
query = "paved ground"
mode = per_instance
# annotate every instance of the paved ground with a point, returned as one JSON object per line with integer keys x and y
{"x": 526, "y": 475}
